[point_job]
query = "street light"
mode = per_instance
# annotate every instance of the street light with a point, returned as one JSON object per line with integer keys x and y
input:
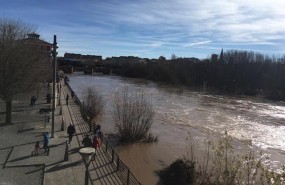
{"x": 54, "y": 53}
{"x": 87, "y": 154}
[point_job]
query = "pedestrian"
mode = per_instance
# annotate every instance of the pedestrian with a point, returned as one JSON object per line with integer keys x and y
{"x": 70, "y": 131}
{"x": 37, "y": 147}
{"x": 97, "y": 128}
{"x": 87, "y": 141}
{"x": 95, "y": 143}
{"x": 72, "y": 94}
{"x": 32, "y": 103}
{"x": 33, "y": 100}
{"x": 46, "y": 141}
{"x": 65, "y": 80}
{"x": 66, "y": 99}
{"x": 99, "y": 134}
{"x": 100, "y": 137}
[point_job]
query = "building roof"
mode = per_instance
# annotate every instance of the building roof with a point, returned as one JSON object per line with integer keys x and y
{"x": 34, "y": 38}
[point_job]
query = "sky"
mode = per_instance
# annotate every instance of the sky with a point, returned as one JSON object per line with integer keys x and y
{"x": 153, "y": 28}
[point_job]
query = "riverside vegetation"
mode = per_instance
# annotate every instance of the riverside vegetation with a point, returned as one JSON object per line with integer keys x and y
{"x": 234, "y": 72}
{"x": 92, "y": 107}
{"x": 132, "y": 113}
{"x": 218, "y": 164}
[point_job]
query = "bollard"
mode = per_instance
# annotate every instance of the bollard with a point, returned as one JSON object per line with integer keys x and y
{"x": 66, "y": 151}
{"x": 62, "y": 124}
{"x": 128, "y": 177}
{"x": 118, "y": 162}
{"x": 106, "y": 146}
{"x": 59, "y": 103}
{"x": 112, "y": 155}
{"x": 60, "y": 110}
{"x": 45, "y": 121}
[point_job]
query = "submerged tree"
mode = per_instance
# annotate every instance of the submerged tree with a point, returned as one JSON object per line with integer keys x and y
{"x": 133, "y": 115}
{"x": 93, "y": 106}
{"x": 22, "y": 65}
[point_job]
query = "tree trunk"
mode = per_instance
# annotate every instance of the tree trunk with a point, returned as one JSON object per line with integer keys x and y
{"x": 8, "y": 111}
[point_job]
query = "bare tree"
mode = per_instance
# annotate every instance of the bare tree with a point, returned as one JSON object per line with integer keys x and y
{"x": 22, "y": 65}
{"x": 133, "y": 114}
{"x": 173, "y": 56}
{"x": 93, "y": 106}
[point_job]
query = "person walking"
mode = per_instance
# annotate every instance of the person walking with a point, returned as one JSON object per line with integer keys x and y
{"x": 66, "y": 99}
{"x": 95, "y": 143}
{"x": 46, "y": 141}
{"x": 72, "y": 94}
{"x": 37, "y": 147}
{"x": 33, "y": 101}
{"x": 70, "y": 131}
{"x": 87, "y": 141}
{"x": 99, "y": 134}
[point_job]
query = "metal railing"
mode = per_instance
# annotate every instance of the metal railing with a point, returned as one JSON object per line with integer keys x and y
{"x": 125, "y": 173}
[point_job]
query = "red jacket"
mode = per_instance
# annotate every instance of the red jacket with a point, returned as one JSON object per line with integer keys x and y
{"x": 95, "y": 143}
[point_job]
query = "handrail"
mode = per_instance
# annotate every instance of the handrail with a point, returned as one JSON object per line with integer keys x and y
{"x": 125, "y": 172}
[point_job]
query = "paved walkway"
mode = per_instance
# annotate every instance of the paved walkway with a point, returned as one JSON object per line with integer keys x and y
{"x": 51, "y": 169}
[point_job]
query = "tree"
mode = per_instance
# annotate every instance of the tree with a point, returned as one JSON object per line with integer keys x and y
{"x": 133, "y": 115}
{"x": 93, "y": 106}
{"x": 22, "y": 65}
{"x": 161, "y": 59}
{"x": 173, "y": 56}
{"x": 222, "y": 56}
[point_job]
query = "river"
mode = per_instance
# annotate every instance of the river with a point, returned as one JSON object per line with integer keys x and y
{"x": 180, "y": 111}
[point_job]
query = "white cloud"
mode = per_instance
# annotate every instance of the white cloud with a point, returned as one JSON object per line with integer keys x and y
{"x": 231, "y": 20}
{"x": 196, "y": 43}
{"x": 145, "y": 26}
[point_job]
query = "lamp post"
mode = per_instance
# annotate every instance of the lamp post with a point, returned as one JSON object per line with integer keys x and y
{"x": 87, "y": 154}
{"x": 59, "y": 93}
{"x": 54, "y": 53}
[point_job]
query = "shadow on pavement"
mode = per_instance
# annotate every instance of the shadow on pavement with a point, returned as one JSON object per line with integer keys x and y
{"x": 61, "y": 167}
{"x": 20, "y": 158}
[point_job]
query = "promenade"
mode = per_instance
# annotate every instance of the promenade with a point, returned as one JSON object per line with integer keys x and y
{"x": 63, "y": 165}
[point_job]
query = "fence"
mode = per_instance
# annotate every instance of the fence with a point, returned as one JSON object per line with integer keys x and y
{"x": 125, "y": 173}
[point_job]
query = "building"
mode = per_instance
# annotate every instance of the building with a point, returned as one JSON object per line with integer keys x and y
{"x": 34, "y": 39}
{"x": 84, "y": 59}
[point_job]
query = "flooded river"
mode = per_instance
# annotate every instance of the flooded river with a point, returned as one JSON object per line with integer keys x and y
{"x": 180, "y": 111}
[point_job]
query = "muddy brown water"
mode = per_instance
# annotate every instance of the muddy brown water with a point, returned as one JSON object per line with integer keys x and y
{"x": 180, "y": 111}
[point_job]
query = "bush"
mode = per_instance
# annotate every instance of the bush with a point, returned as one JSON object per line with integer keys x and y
{"x": 180, "y": 172}
{"x": 92, "y": 106}
{"x": 218, "y": 164}
{"x": 133, "y": 114}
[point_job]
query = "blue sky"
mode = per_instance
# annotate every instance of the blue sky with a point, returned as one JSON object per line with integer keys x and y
{"x": 151, "y": 28}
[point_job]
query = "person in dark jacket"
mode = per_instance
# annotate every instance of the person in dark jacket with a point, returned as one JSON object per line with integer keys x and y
{"x": 70, "y": 131}
{"x": 46, "y": 141}
{"x": 87, "y": 142}
{"x": 66, "y": 99}
{"x": 72, "y": 94}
